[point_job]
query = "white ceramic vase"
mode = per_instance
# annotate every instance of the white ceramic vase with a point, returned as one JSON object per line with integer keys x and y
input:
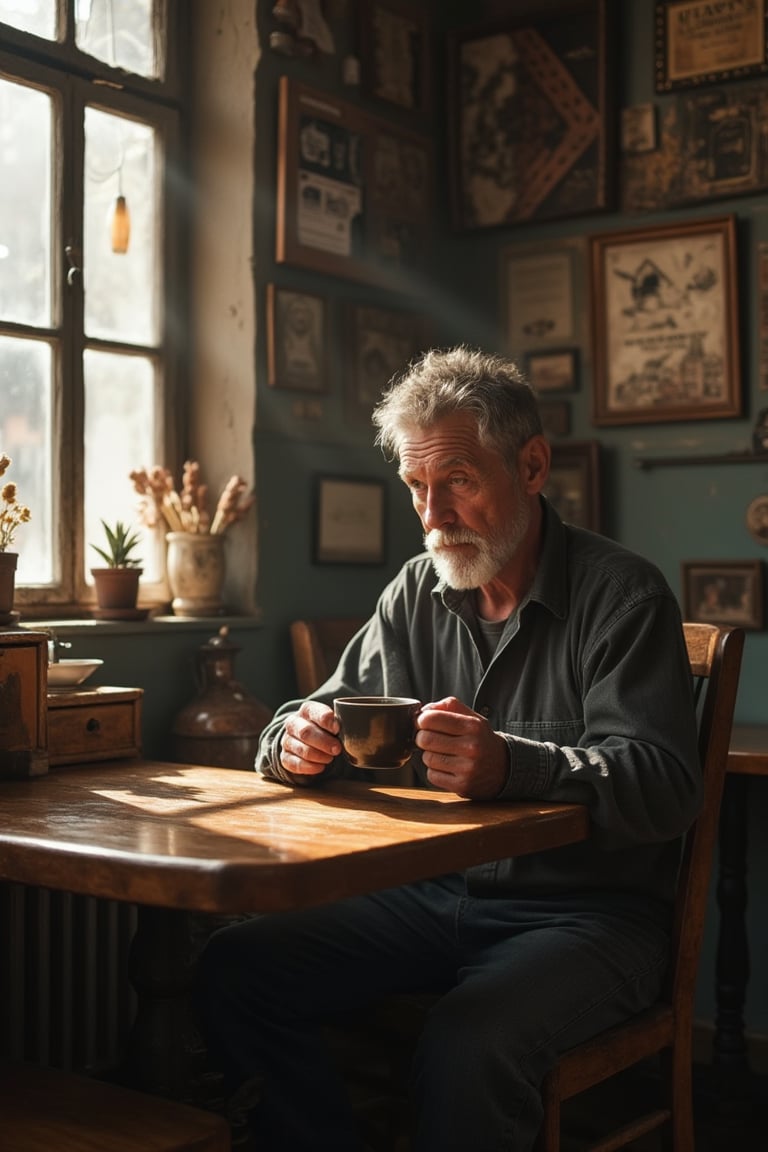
{"x": 196, "y": 568}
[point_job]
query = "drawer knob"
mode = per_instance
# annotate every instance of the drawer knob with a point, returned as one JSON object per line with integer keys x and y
{"x": 93, "y": 725}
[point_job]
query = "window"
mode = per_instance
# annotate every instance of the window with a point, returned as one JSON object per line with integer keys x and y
{"x": 90, "y": 221}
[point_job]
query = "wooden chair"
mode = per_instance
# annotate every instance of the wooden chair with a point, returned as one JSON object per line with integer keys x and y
{"x": 664, "y": 1030}
{"x": 317, "y": 646}
{"x": 44, "y": 1109}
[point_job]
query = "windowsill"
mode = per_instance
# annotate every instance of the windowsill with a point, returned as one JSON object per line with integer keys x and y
{"x": 71, "y": 626}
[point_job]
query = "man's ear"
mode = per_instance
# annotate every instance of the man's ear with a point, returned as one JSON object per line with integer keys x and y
{"x": 535, "y": 457}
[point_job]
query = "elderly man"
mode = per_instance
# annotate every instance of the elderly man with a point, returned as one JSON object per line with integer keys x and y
{"x": 551, "y": 665}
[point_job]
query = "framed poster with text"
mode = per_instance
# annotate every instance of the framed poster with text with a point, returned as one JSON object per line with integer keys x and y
{"x": 699, "y": 43}
{"x": 353, "y": 192}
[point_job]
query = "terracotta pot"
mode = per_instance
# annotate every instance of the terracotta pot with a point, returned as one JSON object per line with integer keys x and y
{"x": 196, "y": 570}
{"x": 117, "y": 590}
{"x": 8, "y": 562}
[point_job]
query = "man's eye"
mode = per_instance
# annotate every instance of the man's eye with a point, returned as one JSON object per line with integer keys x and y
{"x": 458, "y": 481}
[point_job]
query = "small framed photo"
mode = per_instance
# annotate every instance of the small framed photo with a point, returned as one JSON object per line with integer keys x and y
{"x": 555, "y": 418}
{"x": 350, "y": 516}
{"x": 553, "y": 371}
{"x": 297, "y": 340}
{"x": 394, "y": 54}
{"x": 573, "y": 487}
{"x": 757, "y": 519}
{"x": 379, "y": 343}
{"x": 638, "y": 128}
{"x": 728, "y": 592}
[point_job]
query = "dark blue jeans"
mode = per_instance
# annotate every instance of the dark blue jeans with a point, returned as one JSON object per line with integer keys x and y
{"x": 520, "y": 981}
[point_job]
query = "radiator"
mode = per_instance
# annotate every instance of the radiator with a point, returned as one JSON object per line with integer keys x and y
{"x": 65, "y": 994}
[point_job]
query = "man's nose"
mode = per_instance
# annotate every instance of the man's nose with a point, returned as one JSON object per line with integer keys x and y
{"x": 438, "y": 511}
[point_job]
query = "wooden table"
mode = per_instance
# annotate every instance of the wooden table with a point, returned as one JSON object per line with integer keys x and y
{"x": 748, "y": 756}
{"x": 212, "y": 840}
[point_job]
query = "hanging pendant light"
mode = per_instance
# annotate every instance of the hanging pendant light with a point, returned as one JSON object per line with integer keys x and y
{"x": 121, "y": 225}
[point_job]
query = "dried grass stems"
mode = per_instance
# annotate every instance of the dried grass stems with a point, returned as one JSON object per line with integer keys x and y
{"x": 187, "y": 510}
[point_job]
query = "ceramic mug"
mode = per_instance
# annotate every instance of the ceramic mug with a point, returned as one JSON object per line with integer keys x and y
{"x": 377, "y": 731}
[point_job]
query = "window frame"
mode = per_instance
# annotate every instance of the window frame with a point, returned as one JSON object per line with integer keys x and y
{"x": 75, "y": 81}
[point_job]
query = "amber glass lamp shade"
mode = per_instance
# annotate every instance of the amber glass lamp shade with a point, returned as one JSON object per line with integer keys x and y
{"x": 121, "y": 226}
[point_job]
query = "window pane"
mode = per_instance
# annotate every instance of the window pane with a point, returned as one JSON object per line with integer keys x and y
{"x": 25, "y": 436}
{"x": 118, "y": 34}
{"x": 120, "y": 288}
{"x": 25, "y": 204}
{"x": 119, "y": 437}
{"x": 35, "y": 16}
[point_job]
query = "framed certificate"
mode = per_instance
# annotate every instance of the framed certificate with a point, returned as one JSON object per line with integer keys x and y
{"x": 707, "y": 43}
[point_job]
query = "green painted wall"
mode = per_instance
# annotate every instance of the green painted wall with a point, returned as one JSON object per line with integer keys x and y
{"x": 669, "y": 514}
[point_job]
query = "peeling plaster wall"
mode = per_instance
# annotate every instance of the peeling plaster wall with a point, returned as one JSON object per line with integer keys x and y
{"x": 222, "y": 385}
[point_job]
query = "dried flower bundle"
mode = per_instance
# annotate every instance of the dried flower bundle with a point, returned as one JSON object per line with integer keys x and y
{"x": 187, "y": 511}
{"x": 11, "y": 512}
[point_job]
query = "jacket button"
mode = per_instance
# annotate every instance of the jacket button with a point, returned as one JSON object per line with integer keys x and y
{"x": 485, "y": 711}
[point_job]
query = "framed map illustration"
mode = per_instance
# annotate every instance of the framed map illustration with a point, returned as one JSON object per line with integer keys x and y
{"x": 532, "y": 116}
{"x": 665, "y": 323}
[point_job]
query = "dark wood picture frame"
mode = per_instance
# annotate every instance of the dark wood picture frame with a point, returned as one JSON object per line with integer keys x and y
{"x": 665, "y": 331}
{"x": 693, "y": 47}
{"x": 553, "y": 369}
{"x": 395, "y": 54}
{"x": 297, "y": 340}
{"x": 350, "y": 520}
{"x": 354, "y": 193}
{"x": 552, "y": 64}
{"x": 379, "y": 343}
{"x": 573, "y": 487}
{"x": 727, "y": 592}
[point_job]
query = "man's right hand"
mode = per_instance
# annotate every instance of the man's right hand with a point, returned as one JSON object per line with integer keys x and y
{"x": 310, "y": 739}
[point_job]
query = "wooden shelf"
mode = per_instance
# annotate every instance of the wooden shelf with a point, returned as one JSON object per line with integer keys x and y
{"x": 648, "y": 462}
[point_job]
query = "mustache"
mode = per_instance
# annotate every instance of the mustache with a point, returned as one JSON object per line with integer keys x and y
{"x": 439, "y": 538}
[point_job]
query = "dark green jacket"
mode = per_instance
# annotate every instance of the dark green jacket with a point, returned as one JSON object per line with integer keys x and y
{"x": 590, "y": 686}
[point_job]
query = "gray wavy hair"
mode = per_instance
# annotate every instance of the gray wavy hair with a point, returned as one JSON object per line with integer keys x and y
{"x": 489, "y": 388}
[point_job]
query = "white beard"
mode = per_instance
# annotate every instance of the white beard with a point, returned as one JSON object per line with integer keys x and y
{"x": 472, "y": 570}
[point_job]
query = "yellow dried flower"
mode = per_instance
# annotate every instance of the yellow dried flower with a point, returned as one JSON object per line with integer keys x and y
{"x": 11, "y": 512}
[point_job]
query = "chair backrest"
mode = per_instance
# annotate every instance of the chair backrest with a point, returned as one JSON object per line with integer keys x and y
{"x": 715, "y": 656}
{"x": 317, "y": 646}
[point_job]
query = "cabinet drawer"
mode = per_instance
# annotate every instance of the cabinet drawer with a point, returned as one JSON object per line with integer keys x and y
{"x": 94, "y": 730}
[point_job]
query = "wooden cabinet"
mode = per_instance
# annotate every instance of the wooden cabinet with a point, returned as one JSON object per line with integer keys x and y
{"x": 23, "y": 715}
{"x": 94, "y": 724}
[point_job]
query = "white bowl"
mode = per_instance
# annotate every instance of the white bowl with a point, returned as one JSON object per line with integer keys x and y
{"x": 70, "y": 673}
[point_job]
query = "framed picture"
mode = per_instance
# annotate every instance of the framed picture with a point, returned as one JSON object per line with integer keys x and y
{"x": 297, "y": 340}
{"x": 573, "y": 486}
{"x": 379, "y": 344}
{"x": 555, "y": 418}
{"x": 706, "y": 44}
{"x": 543, "y": 294}
{"x": 638, "y": 128}
{"x": 532, "y": 115}
{"x": 553, "y": 371}
{"x": 349, "y": 520}
{"x": 394, "y": 54}
{"x": 665, "y": 323}
{"x": 723, "y": 592}
{"x": 353, "y": 193}
{"x": 757, "y": 519}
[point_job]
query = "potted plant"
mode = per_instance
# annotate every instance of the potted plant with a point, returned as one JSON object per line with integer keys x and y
{"x": 117, "y": 585}
{"x": 12, "y": 514}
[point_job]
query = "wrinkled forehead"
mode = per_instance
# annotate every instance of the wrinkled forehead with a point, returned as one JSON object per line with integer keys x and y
{"x": 448, "y": 443}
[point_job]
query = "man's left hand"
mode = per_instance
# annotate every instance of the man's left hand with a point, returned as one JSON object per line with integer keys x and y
{"x": 460, "y": 750}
